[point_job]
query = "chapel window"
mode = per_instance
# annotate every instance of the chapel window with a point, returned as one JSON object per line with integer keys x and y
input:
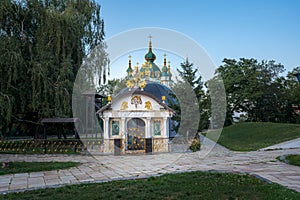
{"x": 157, "y": 127}
{"x": 115, "y": 127}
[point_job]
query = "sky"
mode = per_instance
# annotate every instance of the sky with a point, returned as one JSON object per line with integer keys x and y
{"x": 260, "y": 29}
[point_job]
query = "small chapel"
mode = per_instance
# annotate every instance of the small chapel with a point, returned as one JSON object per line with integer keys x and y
{"x": 138, "y": 118}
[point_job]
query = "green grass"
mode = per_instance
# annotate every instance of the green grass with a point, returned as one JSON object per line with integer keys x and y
{"x": 290, "y": 159}
{"x": 193, "y": 185}
{"x": 26, "y": 167}
{"x": 253, "y": 136}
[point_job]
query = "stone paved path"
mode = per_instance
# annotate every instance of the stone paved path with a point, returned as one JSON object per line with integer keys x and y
{"x": 107, "y": 168}
{"x": 292, "y": 144}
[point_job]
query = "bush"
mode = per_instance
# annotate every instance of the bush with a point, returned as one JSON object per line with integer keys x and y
{"x": 196, "y": 145}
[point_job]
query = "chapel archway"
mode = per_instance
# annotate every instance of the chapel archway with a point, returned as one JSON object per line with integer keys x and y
{"x": 135, "y": 136}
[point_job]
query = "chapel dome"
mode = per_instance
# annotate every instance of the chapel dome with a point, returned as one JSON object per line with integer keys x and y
{"x": 150, "y": 56}
{"x": 157, "y": 90}
{"x": 164, "y": 71}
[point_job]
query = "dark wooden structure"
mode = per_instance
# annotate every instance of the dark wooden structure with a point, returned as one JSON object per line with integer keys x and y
{"x": 93, "y": 102}
{"x": 60, "y": 121}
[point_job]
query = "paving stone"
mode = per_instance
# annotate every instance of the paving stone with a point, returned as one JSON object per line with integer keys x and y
{"x": 18, "y": 187}
{"x": 48, "y": 173}
{"x": 4, "y": 181}
{"x": 36, "y": 174}
{"x": 67, "y": 179}
{"x": 3, "y": 188}
{"x": 18, "y": 181}
{"x": 36, "y": 182}
{"x": 23, "y": 175}
{"x": 50, "y": 177}
{"x": 52, "y": 182}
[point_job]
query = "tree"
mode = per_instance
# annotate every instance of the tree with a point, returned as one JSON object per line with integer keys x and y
{"x": 113, "y": 87}
{"x": 190, "y": 113}
{"x": 190, "y": 75}
{"x": 292, "y": 95}
{"x": 255, "y": 88}
{"x": 42, "y": 44}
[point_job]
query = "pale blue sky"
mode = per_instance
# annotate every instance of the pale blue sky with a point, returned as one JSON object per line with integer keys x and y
{"x": 261, "y": 29}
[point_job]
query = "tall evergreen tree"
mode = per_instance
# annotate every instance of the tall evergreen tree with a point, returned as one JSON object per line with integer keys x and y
{"x": 189, "y": 91}
{"x": 190, "y": 75}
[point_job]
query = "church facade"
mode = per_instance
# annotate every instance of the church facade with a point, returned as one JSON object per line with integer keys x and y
{"x": 138, "y": 119}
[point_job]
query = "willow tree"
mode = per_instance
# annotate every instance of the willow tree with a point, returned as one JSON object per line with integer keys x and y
{"x": 42, "y": 45}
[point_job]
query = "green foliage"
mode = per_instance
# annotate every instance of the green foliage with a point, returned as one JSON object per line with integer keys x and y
{"x": 290, "y": 159}
{"x": 193, "y": 185}
{"x": 187, "y": 109}
{"x": 42, "y": 44}
{"x": 192, "y": 100}
{"x": 191, "y": 76}
{"x": 293, "y": 159}
{"x": 196, "y": 145}
{"x": 113, "y": 87}
{"x": 216, "y": 94}
{"x": 257, "y": 89}
{"x": 251, "y": 136}
{"x": 27, "y": 167}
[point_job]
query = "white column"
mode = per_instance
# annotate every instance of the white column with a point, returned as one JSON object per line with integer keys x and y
{"x": 123, "y": 127}
{"x": 106, "y": 128}
{"x": 148, "y": 131}
{"x": 165, "y": 122}
{"x": 168, "y": 127}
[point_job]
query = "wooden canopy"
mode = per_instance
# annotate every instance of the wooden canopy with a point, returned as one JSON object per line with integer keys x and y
{"x": 59, "y": 120}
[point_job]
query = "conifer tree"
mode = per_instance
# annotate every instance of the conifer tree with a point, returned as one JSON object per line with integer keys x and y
{"x": 190, "y": 94}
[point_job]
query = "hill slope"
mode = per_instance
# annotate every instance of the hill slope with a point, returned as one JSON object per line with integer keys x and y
{"x": 256, "y": 135}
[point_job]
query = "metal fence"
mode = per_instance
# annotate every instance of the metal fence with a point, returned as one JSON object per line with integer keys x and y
{"x": 44, "y": 146}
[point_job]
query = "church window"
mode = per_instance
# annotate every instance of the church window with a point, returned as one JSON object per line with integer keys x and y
{"x": 115, "y": 127}
{"x": 157, "y": 127}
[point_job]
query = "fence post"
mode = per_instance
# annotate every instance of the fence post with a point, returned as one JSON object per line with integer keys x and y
{"x": 45, "y": 140}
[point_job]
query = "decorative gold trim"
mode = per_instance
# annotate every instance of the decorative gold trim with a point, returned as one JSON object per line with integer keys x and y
{"x": 148, "y": 105}
{"x": 136, "y": 100}
{"x": 124, "y": 105}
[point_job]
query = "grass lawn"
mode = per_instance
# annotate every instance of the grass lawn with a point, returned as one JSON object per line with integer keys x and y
{"x": 290, "y": 159}
{"x": 193, "y": 185}
{"x": 26, "y": 167}
{"x": 251, "y": 136}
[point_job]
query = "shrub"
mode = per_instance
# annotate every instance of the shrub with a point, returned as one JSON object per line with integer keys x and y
{"x": 195, "y": 146}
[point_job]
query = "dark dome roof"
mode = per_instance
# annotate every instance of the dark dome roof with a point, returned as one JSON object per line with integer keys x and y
{"x": 150, "y": 56}
{"x": 157, "y": 90}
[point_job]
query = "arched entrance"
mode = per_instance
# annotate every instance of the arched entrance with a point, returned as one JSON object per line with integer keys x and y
{"x": 135, "y": 134}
